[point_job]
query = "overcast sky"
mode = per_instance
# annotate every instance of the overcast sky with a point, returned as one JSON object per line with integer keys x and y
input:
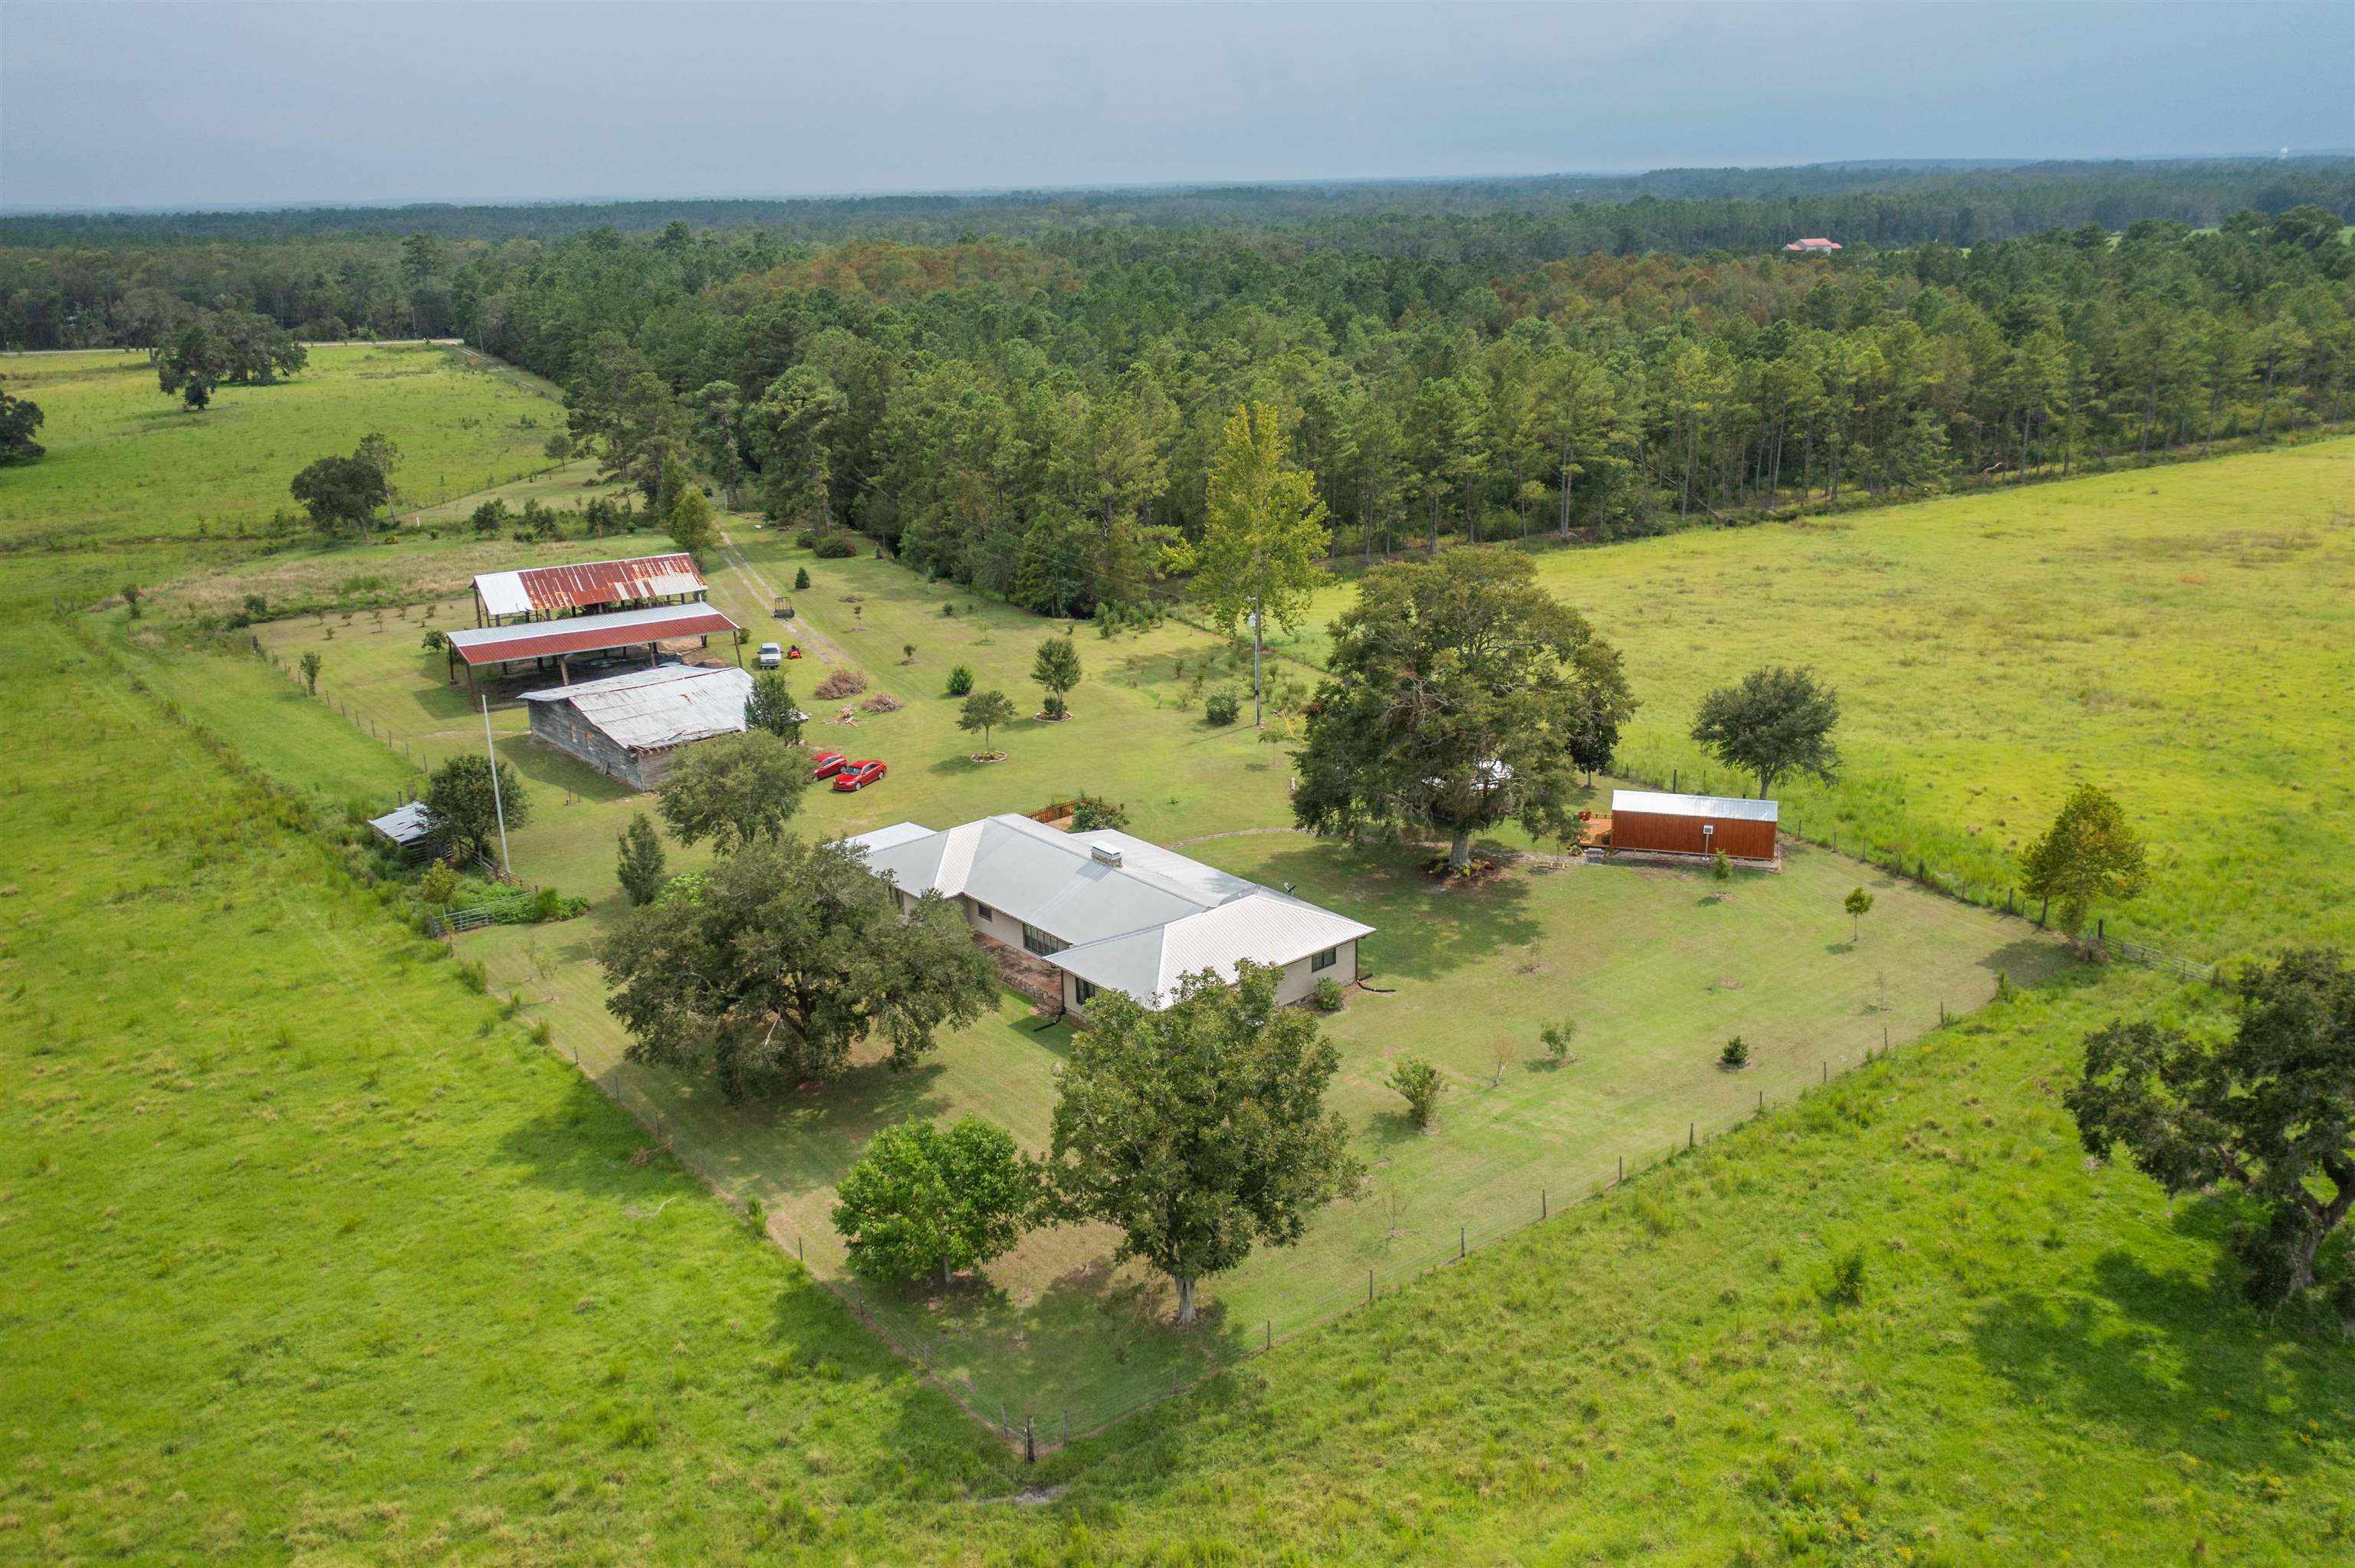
{"x": 198, "y": 104}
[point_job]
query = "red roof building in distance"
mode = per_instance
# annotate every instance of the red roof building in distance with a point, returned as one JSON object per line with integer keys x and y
{"x": 1812, "y": 247}
{"x": 537, "y": 592}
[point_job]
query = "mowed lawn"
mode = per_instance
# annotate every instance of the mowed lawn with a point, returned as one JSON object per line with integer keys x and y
{"x": 1658, "y": 967}
{"x": 2177, "y": 636}
{"x": 1130, "y": 740}
{"x": 126, "y": 462}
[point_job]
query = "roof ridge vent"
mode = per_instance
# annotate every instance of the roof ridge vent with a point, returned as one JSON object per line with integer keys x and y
{"x": 1103, "y": 854}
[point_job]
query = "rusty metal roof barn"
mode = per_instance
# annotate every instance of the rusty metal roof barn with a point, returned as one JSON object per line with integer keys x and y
{"x": 590, "y": 584}
{"x": 644, "y": 710}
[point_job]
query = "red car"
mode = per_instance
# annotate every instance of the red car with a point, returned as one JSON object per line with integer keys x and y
{"x": 828, "y": 764}
{"x": 859, "y": 775}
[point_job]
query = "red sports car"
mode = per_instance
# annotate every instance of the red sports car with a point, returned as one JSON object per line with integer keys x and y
{"x": 828, "y": 764}
{"x": 859, "y": 775}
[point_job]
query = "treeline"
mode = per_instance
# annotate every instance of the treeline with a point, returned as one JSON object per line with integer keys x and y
{"x": 1035, "y": 419}
{"x": 1044, "y": 436}
{"x": 1963, "y": 202}
{"x": 116, "y": 280}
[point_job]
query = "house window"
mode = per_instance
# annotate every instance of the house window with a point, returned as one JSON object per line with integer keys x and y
{"x": 1039, "y": 942}
{"x": 1083, "y": 992}
{"x": 1325, "y": 960}
{"x": 983, "y": 911}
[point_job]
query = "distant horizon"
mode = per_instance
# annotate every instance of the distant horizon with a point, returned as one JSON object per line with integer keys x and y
{"x": 236, "y": 106}
{"x": 1894, "y": 164}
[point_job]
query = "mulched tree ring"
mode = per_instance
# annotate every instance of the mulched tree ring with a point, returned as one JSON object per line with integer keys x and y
{"x": 985, "y": 757}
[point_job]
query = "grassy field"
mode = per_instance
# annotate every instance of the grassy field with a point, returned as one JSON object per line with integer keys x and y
{"x": 313, "y": 1253}
{"x": 2177, "y": 637}
{"x": 1659, "y": 967}
{"x": 314, "y": 1256}
{"x": 125, "y": 461}
{"x": 397, "y": 1289}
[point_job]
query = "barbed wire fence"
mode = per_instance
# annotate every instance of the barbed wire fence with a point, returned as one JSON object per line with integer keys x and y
{"x": 2001, "y": 898}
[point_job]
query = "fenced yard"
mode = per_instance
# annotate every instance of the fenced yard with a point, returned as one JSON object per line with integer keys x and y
{"x": 1659, "y": 967}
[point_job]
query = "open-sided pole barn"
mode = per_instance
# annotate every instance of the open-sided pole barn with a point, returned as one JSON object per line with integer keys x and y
{"x": 557, "y": 643}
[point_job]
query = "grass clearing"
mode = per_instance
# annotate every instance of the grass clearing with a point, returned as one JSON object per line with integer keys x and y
{"x": 126, "y": 462}
{"x": 2177, "y": 636}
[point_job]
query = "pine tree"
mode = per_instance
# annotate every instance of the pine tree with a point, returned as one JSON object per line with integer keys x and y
{"x": 642, "y": 860}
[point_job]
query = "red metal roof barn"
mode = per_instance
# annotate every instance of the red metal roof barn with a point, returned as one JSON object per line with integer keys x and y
{"x": 540, "y": 640}
{"x": 1693, "y": 824}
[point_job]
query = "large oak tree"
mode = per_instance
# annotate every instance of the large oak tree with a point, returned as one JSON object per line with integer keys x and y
{"x": 2269, "y": 1110}
{"x": 734, "y": 790}
{"x": 1462, "y": 695}
{"x": 1200, "y": 1132}
{"x": 781, "y": 959}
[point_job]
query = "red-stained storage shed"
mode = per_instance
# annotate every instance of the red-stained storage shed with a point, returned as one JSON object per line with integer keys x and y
{"x": 1693, "y": 824}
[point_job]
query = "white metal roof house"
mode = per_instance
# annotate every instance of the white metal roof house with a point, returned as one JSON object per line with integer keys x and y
{"x": 1111, "y": 912}
{"x": 628, "y": 726}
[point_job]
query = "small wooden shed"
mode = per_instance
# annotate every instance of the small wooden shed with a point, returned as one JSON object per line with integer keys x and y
{"x": 1693, "y": 824}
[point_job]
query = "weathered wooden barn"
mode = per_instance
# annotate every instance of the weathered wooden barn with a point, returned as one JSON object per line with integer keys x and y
{"x": 631, "y": 727}
{"x": 1693, "y": 824}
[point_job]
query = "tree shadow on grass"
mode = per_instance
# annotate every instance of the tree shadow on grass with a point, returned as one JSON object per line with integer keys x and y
{"x": 2177, "y": 1361}
{"x": 2028, "y": 960}
{"x": 1423, "y": 928}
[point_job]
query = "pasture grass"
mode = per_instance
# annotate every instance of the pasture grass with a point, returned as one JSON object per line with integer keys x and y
{"x": 126, "y": 462}
{"x": 313, "y": 1254}
{"x": 2177, "y": 636}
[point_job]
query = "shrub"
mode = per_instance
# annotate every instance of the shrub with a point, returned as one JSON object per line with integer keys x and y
{"x": 1848, "y": 1277}
{"x": 434, "y": 641}
{"x": 833, "y": 548}
{"x": 550, "y": 904}
{"x": 804, "y": 538}
{"x": 1735, "y": 1055}
{"x": 1419, "y": 1082}
{"x": 960, "y": 681}
{"x": 1557, "y": 1038}
{"x": 841, "y": 684}
{"x": 1090, "y": 814}
{"x": 1223, "y": 707}
{"x": 1328, "y": 995}
{"x": 1721, "y": 868}
{"x": 801, "y": 580}
{"x": 439, "y": 886}
{"x": 949, "y": 610}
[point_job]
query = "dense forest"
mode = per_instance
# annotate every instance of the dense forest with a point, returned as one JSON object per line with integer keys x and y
{"x": 1033, "y": 415}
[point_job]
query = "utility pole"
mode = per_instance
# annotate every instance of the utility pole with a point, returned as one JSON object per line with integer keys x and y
{"x": 1258, "y": 719}
{"x": 497, "y": 804}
